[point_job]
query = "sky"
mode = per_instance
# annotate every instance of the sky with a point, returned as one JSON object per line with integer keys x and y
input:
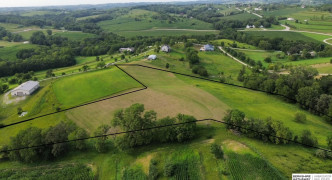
{"x": 29, "y": 3}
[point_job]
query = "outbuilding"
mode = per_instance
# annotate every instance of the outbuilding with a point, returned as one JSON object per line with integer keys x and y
{"x": 152, "y": 57}
{"x": 166, "y": 48}
{"x": 25, "y": 89}
{"x": 207, "y": 47}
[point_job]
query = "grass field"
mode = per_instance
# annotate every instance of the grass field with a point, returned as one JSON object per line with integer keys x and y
{"x": 284, "y": 34}
{"x": 140, "y": 23}
{"x": 78, "y": 89}
{"x": 261, "y": 55}
{"x": 229, "y": 42}
{"x": 242, "y": 16}
{"x": 76, "y": 36}
{"x": 318, "y": 37}
{"x": 310, "y": 61}
{"x": 8, "y": 52}
{"x": 325, "y": 68}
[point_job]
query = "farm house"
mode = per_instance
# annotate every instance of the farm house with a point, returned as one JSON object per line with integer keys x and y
{"x": 207, "y": 47}
{"x": 25, "y": 89}
{"x": 165, "y": 48}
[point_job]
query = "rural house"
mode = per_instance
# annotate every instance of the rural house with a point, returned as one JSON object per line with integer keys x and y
{"x": 25, "y": 89}
{"x": 152, "y": 57}
{"x": 130, "y": 49}
{"x": 165, "y": 48}
{"x": 207, "y": 47}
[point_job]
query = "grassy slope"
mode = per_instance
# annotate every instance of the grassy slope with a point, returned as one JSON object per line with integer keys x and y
{"x": 310, "y": 61}
{"x": 78, "y": 89}
{"x": 260, "y": 56}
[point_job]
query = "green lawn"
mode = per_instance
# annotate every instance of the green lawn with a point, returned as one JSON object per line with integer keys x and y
{"x": 81, "y": 88}
{"x": 229, "y": 42}
{"x": 318, "y": 37}
{"x": 242, "y": 16}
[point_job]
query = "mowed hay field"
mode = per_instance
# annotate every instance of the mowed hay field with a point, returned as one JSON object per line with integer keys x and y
{"x": 9, "y": 50}
{"x": 169, "y": 94}
{"x": 81, "y": 88}
{"x": 288, "y": 35}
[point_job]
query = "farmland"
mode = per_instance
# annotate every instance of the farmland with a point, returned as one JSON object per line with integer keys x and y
{"x": 107, "y": 109}
{"x": 286, "y": 35}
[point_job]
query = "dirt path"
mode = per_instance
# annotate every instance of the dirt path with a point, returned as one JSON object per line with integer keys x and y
{"x": 325, "y": 41}
{"x": 7, "y": 101}
{"x": 234, "y": 58}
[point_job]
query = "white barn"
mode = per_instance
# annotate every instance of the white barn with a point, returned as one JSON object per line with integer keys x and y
{"x": 25, "y": 89}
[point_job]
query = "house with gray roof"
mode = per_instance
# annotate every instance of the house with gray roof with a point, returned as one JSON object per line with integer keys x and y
{"x": 207, "y": 47}
{"x": 25, "y": 89}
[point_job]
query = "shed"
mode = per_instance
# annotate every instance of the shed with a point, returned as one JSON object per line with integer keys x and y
{"x": 152, "y": 57}
{"x": 25, "y": 89}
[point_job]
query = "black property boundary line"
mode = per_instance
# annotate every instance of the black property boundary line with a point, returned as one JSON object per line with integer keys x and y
{"x": 158, "y": 127}
{"x": 85, "y": 104}
{"x": 215, "y": 81}
{"x": 132, "y": 131}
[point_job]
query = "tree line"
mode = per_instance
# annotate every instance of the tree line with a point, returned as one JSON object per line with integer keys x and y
{"x": 269, "y": 130}
{"x": 300, "y": 85}
{"x": 130, "y": 119}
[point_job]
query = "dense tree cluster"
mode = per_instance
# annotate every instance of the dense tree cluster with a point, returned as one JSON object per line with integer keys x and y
{"x": 34, "y": 136}
{"x": 42, "y": 58}
{"x": 134, "y": 118}
{"x": 8, "y": 36}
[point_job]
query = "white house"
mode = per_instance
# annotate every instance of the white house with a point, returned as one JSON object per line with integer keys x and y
{"x": 290, "y": 19}
{"x": 152, "y": 57}
{"x": 165, "y": 48}
{"x": 130, "y": 49}
{"x": 207, "y": 47}
{"x": 25, "y": 89}
{"x": 248, "y": 26}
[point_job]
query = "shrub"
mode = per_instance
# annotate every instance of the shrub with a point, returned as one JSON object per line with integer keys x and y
{"x": 169, "y": 168}
{"x": 153, "y": 170}
{"x": 320, "y": 153}
{"x": 268, "y": 60}
{"x": 167, "y": 65}
{"x": 200, "y": 70}
{"x": 300, "y": 117}
{"x": 217, "y": 151}
{"x": 308, "y": 139}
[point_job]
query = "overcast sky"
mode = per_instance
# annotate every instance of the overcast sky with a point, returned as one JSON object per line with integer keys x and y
{"x": 28, "y": 3}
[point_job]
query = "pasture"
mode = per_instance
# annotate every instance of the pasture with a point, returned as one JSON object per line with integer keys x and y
{"x": 242, "y": 16}
{"x": 309, "y": 61}
{"x": 86, "y": 87}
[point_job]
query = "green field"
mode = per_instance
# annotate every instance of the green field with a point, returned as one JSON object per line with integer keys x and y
{"x": 76, "y": 36}
{"x": 228, "y": 43}
{"x": 295, "y": 36}
{"x": 261, "y": 55}
{"x": 137, "y": 21}
{"x": 8, "y": 52}
{"x": 318, "y": 37}
{"x": 78, "y": 89}
{"x": 242, "y": 16}
{"x": 310, "y": 61}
